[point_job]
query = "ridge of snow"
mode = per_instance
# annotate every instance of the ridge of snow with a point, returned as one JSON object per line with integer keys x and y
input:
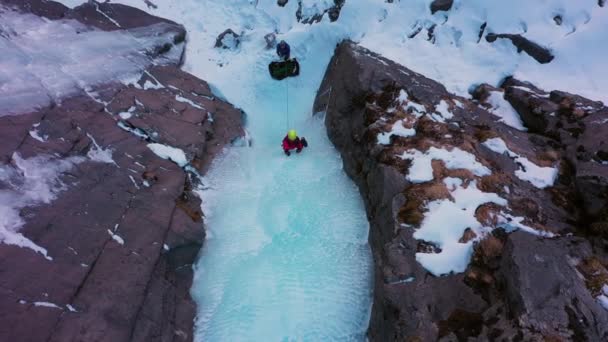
{"x": 505, "y": 111}
{"x": 105, "y": 15}
{"x": 182, "y": 99}
{"x": 511, "y": 223}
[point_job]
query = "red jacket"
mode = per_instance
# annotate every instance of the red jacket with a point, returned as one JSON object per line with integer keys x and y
{"x": 290, "y": 145}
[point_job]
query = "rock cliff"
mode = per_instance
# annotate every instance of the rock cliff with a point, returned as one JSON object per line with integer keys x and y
{"x": 446, "y": 180}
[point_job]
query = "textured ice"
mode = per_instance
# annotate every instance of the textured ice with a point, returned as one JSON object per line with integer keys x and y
{"x": 37, "y": 66}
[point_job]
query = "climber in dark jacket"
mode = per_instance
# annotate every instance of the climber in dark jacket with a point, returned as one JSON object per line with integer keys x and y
{"x": 292, "y": 141}
{"x": 283, "y": 50}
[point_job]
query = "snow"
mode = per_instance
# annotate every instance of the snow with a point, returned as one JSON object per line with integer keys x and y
{"x": 137, "y": 132}
{"x": 445, "y": 223}
{"x": 188, "y": 101}
{"x": 170, "y": 153}
{"x": 150, "y": 85}
{"x": 129, "y": 113}
{"x": 511, "y": 223}
{"x": 540, "y": 177}
{"x": 421, "y": 169}
{"x": 47, "y": 305}
{"x": 105, "y": 15}
{"x": 116, "y": 237}
{"x": 99, "y": 154}
{"x": 443, "y": 109}
{"x": 30, "y": 46}
{"x": 503, "y": 109}
{"x": 36, "y": 135}
{"x": 71, "y": 308}
{"x": 398, "y": 130}
{"x": 27, "y": 183}
{"x": 134, "y": 182}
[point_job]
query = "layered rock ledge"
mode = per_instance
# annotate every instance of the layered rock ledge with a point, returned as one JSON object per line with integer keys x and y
{"x": 100, "y": 223}
{"x": 534, "y": 240}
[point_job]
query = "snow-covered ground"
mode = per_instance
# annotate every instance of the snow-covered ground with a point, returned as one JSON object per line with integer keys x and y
{"x": 286, "y": 257}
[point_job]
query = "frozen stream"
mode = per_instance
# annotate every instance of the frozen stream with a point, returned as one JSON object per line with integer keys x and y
{"x": 287, "y": 257}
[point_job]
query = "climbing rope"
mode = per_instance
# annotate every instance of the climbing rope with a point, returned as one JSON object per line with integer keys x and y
{"x": 287, "y": 101}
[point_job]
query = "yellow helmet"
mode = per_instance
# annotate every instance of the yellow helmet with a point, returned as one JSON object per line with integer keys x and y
{"x": 292, "y": 135}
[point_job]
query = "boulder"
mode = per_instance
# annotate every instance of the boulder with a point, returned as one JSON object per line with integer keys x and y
{"x": 545, "y": 290}
{"x": 441, "y": 5}
{"x": 534, "y": 50}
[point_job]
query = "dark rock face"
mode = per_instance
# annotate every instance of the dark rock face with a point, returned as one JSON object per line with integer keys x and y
{"x": 441, "y": 5}
{"x": 541, "y": 54}
{"x": 491, "y": 299}
{"x": 42, "y": 8}
{"x": 122, "y": 235}
{"x": 577, "y": 127}
{"x": 554, "y": 301}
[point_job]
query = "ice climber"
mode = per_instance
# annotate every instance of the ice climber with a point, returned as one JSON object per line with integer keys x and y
{"x": 283, "y": 50}
{"x": 292, "y": 141}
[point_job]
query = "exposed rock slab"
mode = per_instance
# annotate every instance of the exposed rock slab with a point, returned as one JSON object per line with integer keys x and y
{"x": 122, "y": 234}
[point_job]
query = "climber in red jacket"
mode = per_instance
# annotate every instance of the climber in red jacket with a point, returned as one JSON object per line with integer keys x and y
{"x": 292, "y": 141}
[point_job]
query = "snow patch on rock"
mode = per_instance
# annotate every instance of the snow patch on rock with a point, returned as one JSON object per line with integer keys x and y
{"x": 421, "y": 169}
{"x": 170, "y": 153}
{"x": 505, "y": 111}
{"x": 398, "y": 130}
{"x": 99, "y": 154}
{"x": 445, "y": 223}
{"x": 540, "y": 177}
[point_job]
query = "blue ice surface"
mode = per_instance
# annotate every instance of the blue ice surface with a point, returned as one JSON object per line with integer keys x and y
{"x": 287, "y": 255}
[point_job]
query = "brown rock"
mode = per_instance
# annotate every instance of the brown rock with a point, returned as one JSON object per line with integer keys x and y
{"x": 467, "y": 236}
